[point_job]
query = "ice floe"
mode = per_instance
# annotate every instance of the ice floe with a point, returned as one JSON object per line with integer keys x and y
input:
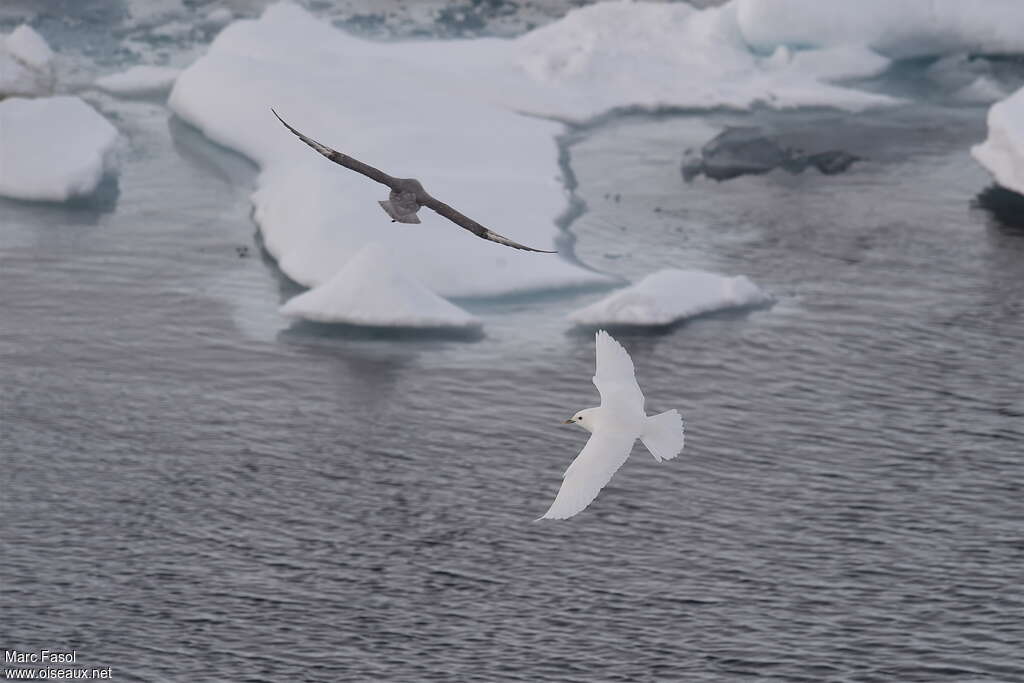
{"x": 624, "y": 55}
{"x": 54, "y": 148}
{"x": 671, "y": 295}
{"x": 898, "y": 30}
{"x": 139, "y": 80}
{"x": 1002, "y": 152}
{"x": 371, "y": 290}
{"x": 382, "y": 104}
{"x": 26, "y": 64}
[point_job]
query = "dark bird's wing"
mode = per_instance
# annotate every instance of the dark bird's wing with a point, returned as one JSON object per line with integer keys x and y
{"x": 343, "y": 159}
{"x": 471, "y": 225}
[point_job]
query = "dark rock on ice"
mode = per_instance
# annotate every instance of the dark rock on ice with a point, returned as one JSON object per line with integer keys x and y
{"x": 750, "y": 150}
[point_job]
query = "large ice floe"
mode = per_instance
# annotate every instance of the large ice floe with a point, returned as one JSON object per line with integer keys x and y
{"x": 671, "y": 295}
{"x": 54, "y": 148}
{"x": 26, "y": 64}
{"x": 1002, "y": 152}
{"x": 387, "y": 105}
{"x": 371, "y": 291}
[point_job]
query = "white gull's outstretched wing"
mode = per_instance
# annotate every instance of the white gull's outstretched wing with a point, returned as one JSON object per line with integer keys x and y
{"x": 590, "y": 471}
{"x": 615, "y": 378}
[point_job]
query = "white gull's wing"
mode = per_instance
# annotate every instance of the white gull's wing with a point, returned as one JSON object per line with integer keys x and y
{"x": 590, "y": 471}
{"x": 615, "y": 378}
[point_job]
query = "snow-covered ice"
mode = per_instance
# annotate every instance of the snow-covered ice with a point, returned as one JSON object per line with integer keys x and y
{"x": 907, "y": 28}
{"x": 670, "y": 295}
{"x": 29, "y": 47}
{"x": 371, "y": 290}
{"x": 26, "y": 64}
{"x": 649, "y": 56}
{"x": 1002, "y": 152}
{"x": 385, "y": 105}
{"x": 139, "y": 80}
{"x": 54, "y": 148}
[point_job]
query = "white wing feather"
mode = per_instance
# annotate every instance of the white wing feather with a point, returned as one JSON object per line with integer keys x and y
{"x": 590, "y": 471}
{"x": 616, "y": 379}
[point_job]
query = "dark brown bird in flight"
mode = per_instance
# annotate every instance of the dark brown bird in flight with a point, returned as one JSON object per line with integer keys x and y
{"x": 407, "y": 195}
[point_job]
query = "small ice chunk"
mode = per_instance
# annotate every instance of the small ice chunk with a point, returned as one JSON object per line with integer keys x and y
{"x": 54, "y": 148}
{"x": 1002, "y": 152}
{"x": 369, "y": 290}
{"x": 28, "y": 46}
{"x": 670, "y": 295}
{"x": 26, "y": 64}
{"x": 139, "y": 80}
{"x": 839, "y": 63}
{"x": 982, "y": 90}
{"x": 218, "y": 17}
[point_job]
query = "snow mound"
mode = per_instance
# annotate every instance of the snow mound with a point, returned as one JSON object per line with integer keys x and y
{"x": 898, "y": 30}
{"x": 371, "y": 291}
{"x": 670, "y": 295}
{"x": 26, "y": 64}
{"x": 29, "y": 47}
{"x": 1002, "y": 152}
{"x": 54, "y": 148}
{"x": 982, "y": 90}
{"x": 639, "y": 55}
{"x": 776, "y": 53}
{"x": 139, "y": 80}
{"x": 386, "y": 105}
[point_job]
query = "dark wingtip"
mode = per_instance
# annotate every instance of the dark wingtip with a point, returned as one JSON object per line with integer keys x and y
{"x": 283, "y": 122}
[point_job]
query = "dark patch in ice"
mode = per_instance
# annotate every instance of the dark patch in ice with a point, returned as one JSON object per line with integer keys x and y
{"x": 749, "y": 150}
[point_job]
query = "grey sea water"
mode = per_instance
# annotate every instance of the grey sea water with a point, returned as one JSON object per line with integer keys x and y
{"x": 194, "y": 489}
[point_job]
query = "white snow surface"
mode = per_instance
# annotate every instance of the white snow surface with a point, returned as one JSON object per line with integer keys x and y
{"x": 139, "y": 80}
{"x": 896, "y": 29}
{"x": 669, "y": 295}
{"x": 54, "y": 148}
{"x": 651, "y": 56}
{"x": 26, "y": 64}
{"x": 1002, "y": 152}
{"x": 371, "y": 290}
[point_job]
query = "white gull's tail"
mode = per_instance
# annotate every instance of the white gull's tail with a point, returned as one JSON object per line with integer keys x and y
{"x": 663, "y": 435}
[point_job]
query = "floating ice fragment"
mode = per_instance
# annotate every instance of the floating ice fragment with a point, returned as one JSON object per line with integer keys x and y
{"x": 139, "y": 80}
{"x": 371, "y": 290}
{"x": 54, "y": 148}
{"x": 26, "y": 64}
{"x": 670, "y": 295}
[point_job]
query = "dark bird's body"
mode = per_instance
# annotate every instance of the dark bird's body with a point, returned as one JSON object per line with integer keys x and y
{"x": 403, "y": 202}
{"x": 407, "y": 195}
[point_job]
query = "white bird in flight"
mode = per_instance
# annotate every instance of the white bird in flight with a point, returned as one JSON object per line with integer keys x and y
{"x": 614, "y": 426}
